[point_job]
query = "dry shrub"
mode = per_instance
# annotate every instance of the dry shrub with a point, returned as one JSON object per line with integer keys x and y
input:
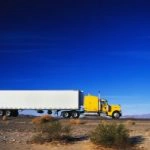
{"x": 111, "y": 135}
{"x": 43, "y": 119}
{"x": 40, "y": 138}
{"x": 105, "y": 122}
{"x": 76, "y": 122}
{"x": 51, "y": 131}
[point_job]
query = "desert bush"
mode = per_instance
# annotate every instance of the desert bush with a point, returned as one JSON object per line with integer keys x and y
{"x": 104, "y": 122}
{"x": 66, "y": 130}
{"x": 53, "y": 128}
{"x": 51, "y": 131}
{"x": 40, "y": 138}
{"x": 43, "y": 119}
{"x": 110, "y": 135}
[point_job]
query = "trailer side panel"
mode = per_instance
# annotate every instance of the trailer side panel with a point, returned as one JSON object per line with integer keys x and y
{"x": 40, "y": 99}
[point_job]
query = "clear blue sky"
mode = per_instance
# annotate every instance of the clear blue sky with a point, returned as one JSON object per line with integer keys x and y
{"x": 90, "y": 45}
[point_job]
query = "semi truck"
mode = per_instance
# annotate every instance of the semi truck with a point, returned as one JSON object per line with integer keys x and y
{"x": 94, "y": 104}
{"x": 69, "y": 102}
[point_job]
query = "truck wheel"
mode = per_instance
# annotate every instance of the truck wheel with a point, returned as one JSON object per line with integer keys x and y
{"x": 75, "y": 114}
{"x": 116, "y": 115}
{"x": 66, "y": 114}
{"x": 1, "y": 112}
{"x": 8, "y": 113}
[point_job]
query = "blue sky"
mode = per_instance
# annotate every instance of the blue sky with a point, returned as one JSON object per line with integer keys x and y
{"x": 90, "y": 45}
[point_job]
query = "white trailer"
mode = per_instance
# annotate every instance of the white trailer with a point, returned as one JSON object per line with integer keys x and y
{"x": 69, "y": 102}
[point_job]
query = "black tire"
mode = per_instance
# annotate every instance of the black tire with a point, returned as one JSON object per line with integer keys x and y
{"x": 2, "y": 112}
{"x": 40, "y": 111}
{"x": 75, "y": 114}
{"x": 116, "y": 115}
{"x": 66, "y": 114}
{"x": 8, "y": 113}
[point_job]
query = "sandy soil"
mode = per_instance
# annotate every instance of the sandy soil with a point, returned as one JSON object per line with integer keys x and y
{"x": 15, "y": 132}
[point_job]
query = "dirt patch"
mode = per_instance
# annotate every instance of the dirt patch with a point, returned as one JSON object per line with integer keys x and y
{"x": 15, "y": 132}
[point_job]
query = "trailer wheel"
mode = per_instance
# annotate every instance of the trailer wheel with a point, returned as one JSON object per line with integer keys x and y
{"x": 1, "y": 112}
{"x": 8, "y": 113}
{"x": 66, "y": 114}
{"x": 75, "y": 114}
{"x": 40, "y": 111}
{"x": 116, "y": 115}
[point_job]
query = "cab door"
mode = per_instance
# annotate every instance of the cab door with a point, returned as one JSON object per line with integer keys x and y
{"x": 91, "y": 103}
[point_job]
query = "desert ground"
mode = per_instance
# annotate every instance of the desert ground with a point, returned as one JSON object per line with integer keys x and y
{"x": 15, "y": 132}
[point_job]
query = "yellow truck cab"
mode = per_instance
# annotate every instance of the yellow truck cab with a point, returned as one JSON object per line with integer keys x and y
{"x": 95, "y": 105}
